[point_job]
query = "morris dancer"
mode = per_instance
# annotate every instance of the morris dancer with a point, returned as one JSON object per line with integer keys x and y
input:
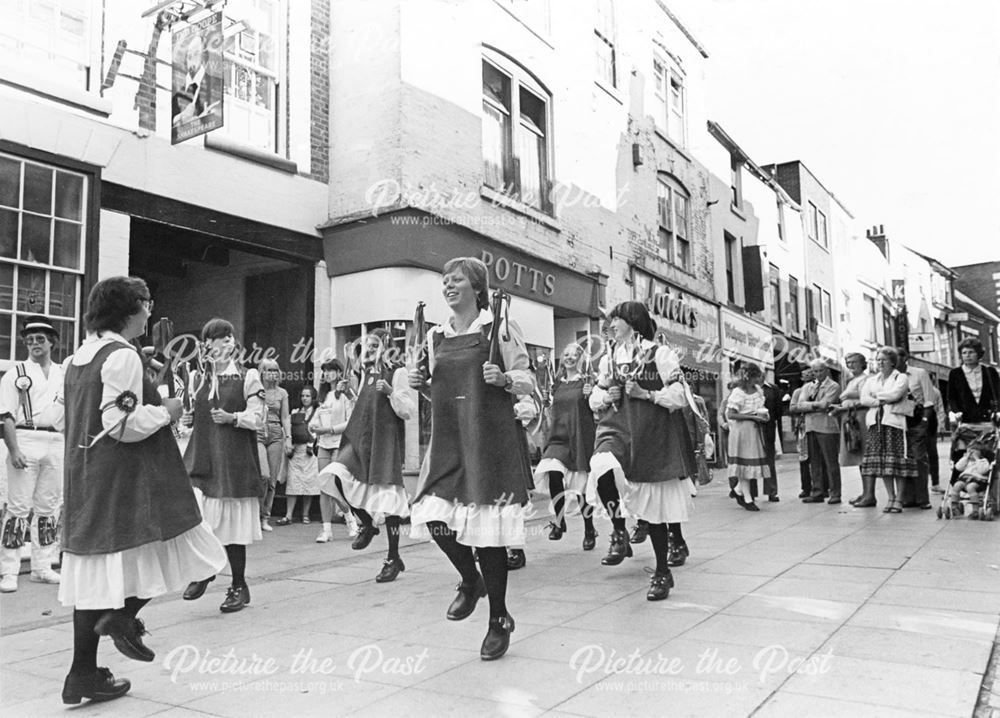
{"x": 646, "y": 439}
{"x": 367, "y": 474}
{"x": 32, "y": 412}
{"x": 566, "y": 459}
{"x": 476, "y": 468}
{"x": 132, "y": 529}
{"x": 222, "y": 458}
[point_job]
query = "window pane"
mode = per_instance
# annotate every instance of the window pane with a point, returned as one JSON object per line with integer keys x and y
{"x": 665, "y": 242}
{"x": 69, "y": 196}
{"x": 496, "y": 86}
{"x": 533, "y": 108}
{"x": 605, "y": 59}
{"x": 62, "y": 294}
{"x": 5, "y": 335}
{"x": 31, "y": 290}
{"x": 10, "y": 181}
{"x": 66, "y": 342}
{"x": 35, "y": 238}
{"x": 8, "y": 233}
{"x": 67, "y": 245}
{"x": 495, "y": 147}
{"x": 663, "y": 205}
{"x": 6, "y": 289}
{"x": 530, "y": 149}
{"x": 37, "y": 188}
{"x": 683, "y": 253}
{"x": 680, "y": 214}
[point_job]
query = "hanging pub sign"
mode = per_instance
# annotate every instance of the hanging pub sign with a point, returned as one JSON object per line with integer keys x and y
{"x": 196, "y": 106}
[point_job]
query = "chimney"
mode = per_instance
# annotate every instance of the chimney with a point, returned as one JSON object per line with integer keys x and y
{"x": 876, "y": 235}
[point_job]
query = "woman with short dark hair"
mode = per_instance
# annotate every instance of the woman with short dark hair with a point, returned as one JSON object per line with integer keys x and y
{"x": 643, "y": 451}
{"x": 885, "y": 395}
{"x": 221, "y": 456}
{"x": 131, "y": 525}
{"x": 973, "y": 396}
{"x": 336, "y": 402}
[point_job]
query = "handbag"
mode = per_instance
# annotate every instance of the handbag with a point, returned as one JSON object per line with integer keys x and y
{"x": 851, "y": 430}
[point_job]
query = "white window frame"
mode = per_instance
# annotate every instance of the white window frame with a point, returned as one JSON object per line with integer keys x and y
{"x": 774, "y": 290}
{"x": 668, "y": 194}
{"x": 277, "y": 130}
{"x": 49, "y": 78}
{"x": 68, "y": 315}
{"x": 606, "y": 36}
{"x": 826, "y": 309}
{"x": 793, "y": 306}
{"x": 871, "y": 319}
{"x": 671, "y": 121}
{"x": 812, "y": 220}
{"x": 520, "y": 80}
{"x": 822, "y": 229}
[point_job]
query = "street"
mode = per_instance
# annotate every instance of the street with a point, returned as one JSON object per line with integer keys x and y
{"x": 795, "y": 610}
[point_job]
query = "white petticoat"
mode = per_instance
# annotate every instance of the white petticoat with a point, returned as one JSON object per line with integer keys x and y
{"x": 379, "y": 501}
{"x": 104, "y": 581}
{"x": 478, "y": 526}
{"x": 233, "y": 521}
{"x": 655, "y": 502}
{"x": 574, "y": 484}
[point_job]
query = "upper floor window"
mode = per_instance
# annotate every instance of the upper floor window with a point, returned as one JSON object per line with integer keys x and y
{"x": 794, "y": 323}
{"x": 730, "y": 241}
{"x": 821, "y": 229}
{"x": 516, "y": 141}
{"x": 674, "y": 210}
{"x": 51, "y": 38}
{"x": 43, "y": 227}
{"x": 781, "y": 220}
{"x": 736, "y": 180}
{"x": 668, "y": 89}
{"x": 812, "y": 222}
{"x": 826, "y": 317}
{"x": 871, "y": 327}
{"x": 253, "y": 52}
{"x": 775, "y": 292}
{"x": 604, "y": 43}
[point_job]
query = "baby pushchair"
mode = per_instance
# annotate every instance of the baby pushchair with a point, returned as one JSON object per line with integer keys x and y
{"x": 987, "y": 505}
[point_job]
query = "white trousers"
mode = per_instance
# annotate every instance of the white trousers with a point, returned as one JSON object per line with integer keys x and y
{"x": 36, "y": 490}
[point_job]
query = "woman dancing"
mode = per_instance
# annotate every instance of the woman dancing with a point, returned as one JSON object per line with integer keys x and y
{"x": 131, "y": 526}
{"x": 566, "y": 457}
{"x": 221, "y": 456}
{"x": 367, "y": 474}
{"x": 476, "y": 470}
{"x": 643, "y": 451}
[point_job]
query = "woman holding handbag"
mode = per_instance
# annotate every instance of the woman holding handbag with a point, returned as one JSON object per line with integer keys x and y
{"x": 853, "y": 433}
{"x": 885, "y": 395}
{"x": 303, "y": 474}
{"x": 747, "y": 456}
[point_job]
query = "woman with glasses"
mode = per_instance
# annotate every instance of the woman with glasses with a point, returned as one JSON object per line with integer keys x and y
{"x": 131, "y": 525}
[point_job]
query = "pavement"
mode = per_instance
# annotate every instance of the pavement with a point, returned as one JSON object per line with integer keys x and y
{"x": 799, "y": 609}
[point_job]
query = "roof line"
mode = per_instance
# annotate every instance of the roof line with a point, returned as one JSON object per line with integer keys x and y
{"x": 962, "y": 296}
{"x": 715, "y": 129}
{"x": 813, "y": 175}
{"x": 687, "y": 33}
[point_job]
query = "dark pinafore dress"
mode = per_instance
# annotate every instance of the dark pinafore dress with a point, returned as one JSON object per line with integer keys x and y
{"x": 658, "y": 452}
{"x": 369, "y": 465}
{"x": 223, "y": 462}
{"x": 131, "y": 524}
{"x": 571, "y": 437}
{"x": 478, "y": 472}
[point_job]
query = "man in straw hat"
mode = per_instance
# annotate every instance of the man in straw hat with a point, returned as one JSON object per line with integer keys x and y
{"x": 32, "y": 412}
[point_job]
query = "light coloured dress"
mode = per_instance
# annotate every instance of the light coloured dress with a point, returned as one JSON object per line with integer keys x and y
{"x": 747, "y": 456}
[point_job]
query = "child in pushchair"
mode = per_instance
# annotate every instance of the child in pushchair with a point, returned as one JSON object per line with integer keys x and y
{"x": 974, "y": 469}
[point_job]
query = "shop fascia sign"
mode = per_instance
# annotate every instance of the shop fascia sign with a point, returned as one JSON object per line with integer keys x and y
{"x": 741, "y": 337}
{"x": 672, "y": 307}
{"x": 518, "y": 274}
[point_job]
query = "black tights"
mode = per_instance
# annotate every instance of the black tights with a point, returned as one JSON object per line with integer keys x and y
{"x": 557, "y": 491}
{"x": 659, "y": 536}
{"x": 608, "y": 493}
{"x": 675, "y": 534}
{"x": 85, "y": 640}
{"x": 492, "y": 560}
{"x": 392, "y": 528}
{"x": 237, "y": 555}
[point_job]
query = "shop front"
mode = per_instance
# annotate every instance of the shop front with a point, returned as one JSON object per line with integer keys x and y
{"x": 690, "y": 325}
{"x": 380, "y": 267}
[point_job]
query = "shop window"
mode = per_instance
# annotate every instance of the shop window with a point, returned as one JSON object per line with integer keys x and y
{"x": 50, "y": 38}
{"x": 253, "y": 50}
{"x": 42, "y": 240}
{"x": 516, "y": 140}
{"x": 604, "y": 41}
{"x": 674, "y": 209}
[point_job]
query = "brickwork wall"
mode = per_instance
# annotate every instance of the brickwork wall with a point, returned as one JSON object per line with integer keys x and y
{"x": 319, "y": 74}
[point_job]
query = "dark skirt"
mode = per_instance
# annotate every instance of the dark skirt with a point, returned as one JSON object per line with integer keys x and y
{"x": 885, "y": 450}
